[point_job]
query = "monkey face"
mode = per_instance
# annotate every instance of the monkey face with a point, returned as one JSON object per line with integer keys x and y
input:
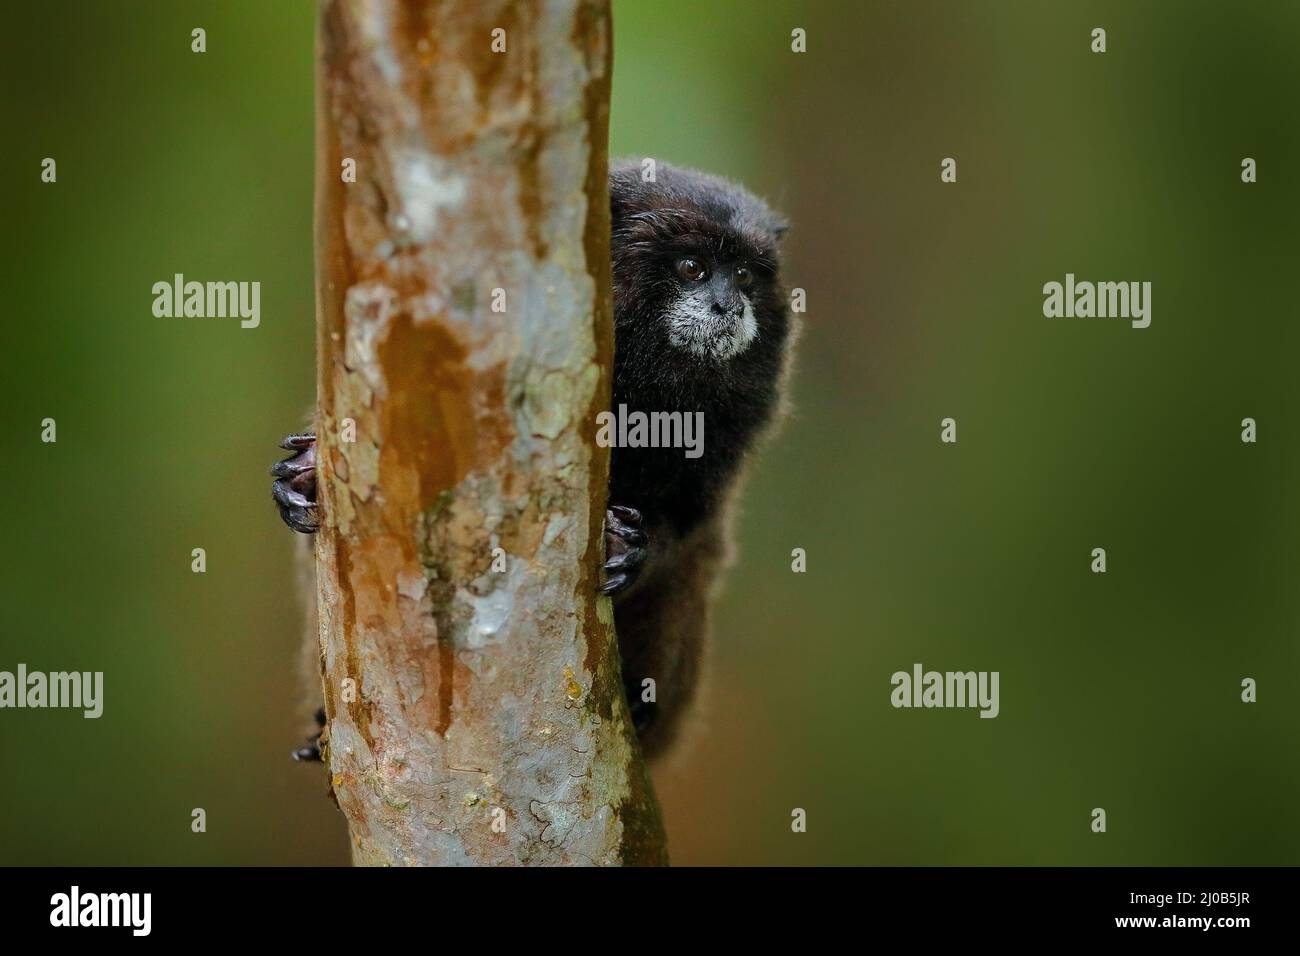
{"x": 711, "y": 315}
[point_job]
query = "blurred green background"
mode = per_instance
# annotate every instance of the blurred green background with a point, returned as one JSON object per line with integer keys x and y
{"x": 1118, "y": 691}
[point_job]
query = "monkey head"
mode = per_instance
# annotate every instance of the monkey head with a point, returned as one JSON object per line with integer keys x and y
{"x": 695, "y": 264}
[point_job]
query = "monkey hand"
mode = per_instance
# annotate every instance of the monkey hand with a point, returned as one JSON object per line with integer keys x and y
{"x": 294, "y": 489}
{"x": 625, "y": 548}
{"x": 311, "y": 753}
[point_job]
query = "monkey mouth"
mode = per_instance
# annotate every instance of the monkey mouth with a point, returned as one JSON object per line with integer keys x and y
{"x": 704, "y": 333}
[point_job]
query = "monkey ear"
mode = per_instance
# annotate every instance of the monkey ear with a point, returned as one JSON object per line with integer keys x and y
{"x": 780, "y": 229}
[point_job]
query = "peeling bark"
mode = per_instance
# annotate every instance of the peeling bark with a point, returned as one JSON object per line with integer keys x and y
{"x": 459, "y": 696}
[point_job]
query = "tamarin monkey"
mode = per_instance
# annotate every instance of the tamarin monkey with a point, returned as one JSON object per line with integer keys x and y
{"x": 701, "y": 324}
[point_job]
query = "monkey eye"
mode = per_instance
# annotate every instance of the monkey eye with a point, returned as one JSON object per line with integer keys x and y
{"x": 744, "y": 276}
{"x": 692, "y": 270}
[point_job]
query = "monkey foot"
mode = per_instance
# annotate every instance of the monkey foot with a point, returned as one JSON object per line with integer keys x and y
{"x": 311, "y": 753}
{"x": 294, "y": 489}
{"x": 625, "y": 548}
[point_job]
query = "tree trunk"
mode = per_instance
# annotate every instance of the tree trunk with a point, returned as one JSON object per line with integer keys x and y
{"x": 471, "y": 677}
